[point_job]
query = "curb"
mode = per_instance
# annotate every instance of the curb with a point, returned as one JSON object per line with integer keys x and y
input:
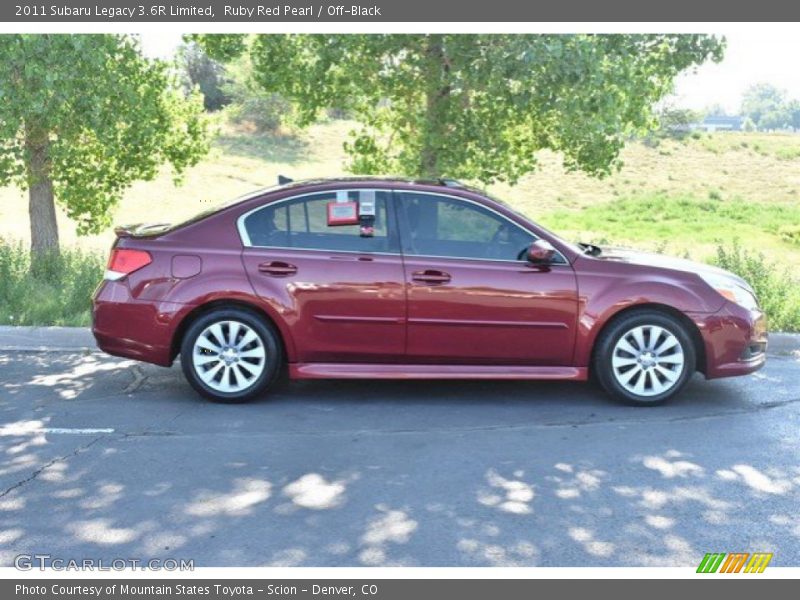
{"x": 46, "y": 339}
{"x": 70, "y": 339}
{"x": 783, "y": 343}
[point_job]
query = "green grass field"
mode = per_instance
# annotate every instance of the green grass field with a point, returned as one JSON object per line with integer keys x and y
{"x": 681, "y": 197}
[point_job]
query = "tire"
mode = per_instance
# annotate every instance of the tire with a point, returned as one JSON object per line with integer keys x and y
{"x": 231, "y": 355}
{"x": 644, "y": 358}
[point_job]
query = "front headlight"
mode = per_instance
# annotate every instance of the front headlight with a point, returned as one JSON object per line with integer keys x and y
{"x": 729, "y": 289}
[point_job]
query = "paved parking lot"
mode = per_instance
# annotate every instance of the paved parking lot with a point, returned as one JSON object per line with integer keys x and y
{"x": 106, "y": 458}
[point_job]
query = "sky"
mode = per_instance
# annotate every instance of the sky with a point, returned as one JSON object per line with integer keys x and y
{"x": 767, "y": 56}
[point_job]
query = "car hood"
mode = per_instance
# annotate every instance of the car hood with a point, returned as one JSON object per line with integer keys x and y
{"x": 651, "y": 259}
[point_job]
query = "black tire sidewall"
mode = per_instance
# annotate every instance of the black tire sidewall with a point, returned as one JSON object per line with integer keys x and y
{"x": 268, "y": 337}
{"x": 603, "y": 368}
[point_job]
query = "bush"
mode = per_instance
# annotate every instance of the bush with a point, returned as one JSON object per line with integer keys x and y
{"x": 790, "y": 233}
{"x": 778, "y": 294}
{"x": 251, "y": 105}
{"x": 60, "y": 294}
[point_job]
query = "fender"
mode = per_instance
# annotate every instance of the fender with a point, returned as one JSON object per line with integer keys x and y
{"x": 601, "y": 298}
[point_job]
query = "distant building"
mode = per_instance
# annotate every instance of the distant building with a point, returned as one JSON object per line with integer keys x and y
{"x": 719, "y": 123}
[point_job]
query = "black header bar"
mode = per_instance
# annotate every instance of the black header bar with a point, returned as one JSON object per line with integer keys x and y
{"x": 462, "y": 11}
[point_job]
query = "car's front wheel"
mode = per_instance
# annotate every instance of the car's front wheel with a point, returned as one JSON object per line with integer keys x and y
{"x": 644, "y": 358}
{"x": 230, "y": 355}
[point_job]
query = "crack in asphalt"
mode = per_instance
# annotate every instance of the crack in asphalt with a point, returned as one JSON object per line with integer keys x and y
{"x": 139, "y": 379}
{"x": 49, "y": 464}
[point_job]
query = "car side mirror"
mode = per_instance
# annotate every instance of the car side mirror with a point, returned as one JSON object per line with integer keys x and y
{"x": 541, "y": 252}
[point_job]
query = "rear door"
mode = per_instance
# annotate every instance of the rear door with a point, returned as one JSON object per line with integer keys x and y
{"x": 341, "y": 294}
{"x": 472, "y": 296}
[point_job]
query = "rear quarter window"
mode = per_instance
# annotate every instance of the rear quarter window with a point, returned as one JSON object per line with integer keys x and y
{"x": 302, "y": 223}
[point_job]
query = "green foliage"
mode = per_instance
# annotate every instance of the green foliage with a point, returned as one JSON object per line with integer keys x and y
{"x": 788, "y": 153}
{"x": 207, "y": 75}
{"x": 102, "y": 114}
{"x": 790, "y": 233}
{"x": 476, "y": 107}
{"x": 767, "y": 107}
{"x": 675, "y": 122}
{"x": 251, "y": 104}
{"x": 793, "y": 108}
{"x": 60, "y": 296}
{"x": 777, "y": 294}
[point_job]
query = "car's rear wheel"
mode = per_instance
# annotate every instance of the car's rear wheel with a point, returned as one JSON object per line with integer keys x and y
{"x": 230, "y": 355}
{"x": 644, "y": 358}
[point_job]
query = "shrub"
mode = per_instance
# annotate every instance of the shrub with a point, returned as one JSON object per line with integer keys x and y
{"x": 778, "y": 294}
{"x": 59, "y": 294}
{"x": 264, "y": 112}
{"x": 790, "y": 233}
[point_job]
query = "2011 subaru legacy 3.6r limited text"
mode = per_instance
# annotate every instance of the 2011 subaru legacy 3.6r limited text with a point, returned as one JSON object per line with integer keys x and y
{"x": 392, "y": 279}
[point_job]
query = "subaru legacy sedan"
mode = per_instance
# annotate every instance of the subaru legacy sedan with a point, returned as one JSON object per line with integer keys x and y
{"x": 394, "y": 279}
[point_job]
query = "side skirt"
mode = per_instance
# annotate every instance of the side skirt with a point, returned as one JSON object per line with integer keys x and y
{"x": 393, "y": 371}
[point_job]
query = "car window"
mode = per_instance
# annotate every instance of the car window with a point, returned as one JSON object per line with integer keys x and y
{"x": 303, "y": 223}
{"x": 441, "y": 226}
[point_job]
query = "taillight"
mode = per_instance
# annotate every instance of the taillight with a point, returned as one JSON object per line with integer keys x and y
{"x": 124, "y": 261}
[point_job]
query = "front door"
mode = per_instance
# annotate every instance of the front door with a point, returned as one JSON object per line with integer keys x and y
{"x": 341, "y": 294}
{"x": 472, "y": 296}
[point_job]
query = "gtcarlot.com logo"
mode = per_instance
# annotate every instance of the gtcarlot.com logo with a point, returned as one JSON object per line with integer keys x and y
{"x": 28, "y": 562}
{"x": 734, "y": 562}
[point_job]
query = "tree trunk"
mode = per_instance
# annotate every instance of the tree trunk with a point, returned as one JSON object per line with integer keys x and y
{"x": 41, "y": 202}
{"x": 436, "y": 96}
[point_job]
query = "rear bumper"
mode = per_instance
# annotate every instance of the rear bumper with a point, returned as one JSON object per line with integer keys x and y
{"x": 130, "y": 328}
{"x": 735, "y": 341}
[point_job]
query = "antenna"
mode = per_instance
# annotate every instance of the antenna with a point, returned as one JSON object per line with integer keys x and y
{"x": 453, "y": 183}
{"x": 283, "y": 180}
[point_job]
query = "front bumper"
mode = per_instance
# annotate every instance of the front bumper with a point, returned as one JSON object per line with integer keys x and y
{"x": 130, "y": 328}
{"x": 735, "y": 341}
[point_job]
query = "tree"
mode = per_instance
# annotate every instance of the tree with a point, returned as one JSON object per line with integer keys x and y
{"x": 81, "y": 118}
{"x": 677, "y": 121}
{"x": 475, "y": 106}
{"x": 777, "y": 118}
{"x": 793, "y": 109}
{"x": 250, "y": 103}
{"x": 207, "y": 74}
{"x": 715, "y": 110}
{"x": 765, "y": 105}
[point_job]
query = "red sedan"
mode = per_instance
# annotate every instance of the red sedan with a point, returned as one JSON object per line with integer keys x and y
{"x": 392, "y": 279}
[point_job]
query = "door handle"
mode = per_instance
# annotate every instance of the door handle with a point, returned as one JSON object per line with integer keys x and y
{"x": 277, "y": 268}
{"x": 431, "y": 276}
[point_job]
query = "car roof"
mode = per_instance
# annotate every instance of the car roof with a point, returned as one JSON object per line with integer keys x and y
{"x": 386, "y": 180}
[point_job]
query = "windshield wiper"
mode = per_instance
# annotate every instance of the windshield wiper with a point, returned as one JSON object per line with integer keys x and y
{"x": 590, "y": 249}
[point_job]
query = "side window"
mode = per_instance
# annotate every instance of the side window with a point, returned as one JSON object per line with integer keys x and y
{"x": 439, "y": 226}
{"x": 303, "y": 223}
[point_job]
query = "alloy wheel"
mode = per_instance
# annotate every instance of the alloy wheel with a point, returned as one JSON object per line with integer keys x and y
{"x": 648, "y": 360}
{"x": 229, "y": 356}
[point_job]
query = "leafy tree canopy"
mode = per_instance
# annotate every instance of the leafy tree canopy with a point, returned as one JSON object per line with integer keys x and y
{"x": 764, "y": 104}
{"x": 475, "y": 106}
{"x": 84, "y": 116}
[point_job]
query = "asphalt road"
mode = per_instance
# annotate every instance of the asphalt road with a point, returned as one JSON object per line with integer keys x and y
{"x": 106, "y": 458}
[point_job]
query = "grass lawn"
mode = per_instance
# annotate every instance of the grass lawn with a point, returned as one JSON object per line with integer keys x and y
{"x": 679, "y": 197}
